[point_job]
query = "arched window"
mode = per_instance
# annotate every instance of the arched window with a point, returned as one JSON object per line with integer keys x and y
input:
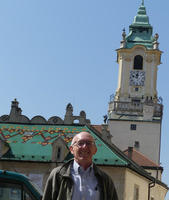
{"x": 76, "y": 121}
{"x": 138, "y": 62}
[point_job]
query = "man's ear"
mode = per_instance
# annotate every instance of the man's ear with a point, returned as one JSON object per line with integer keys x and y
{"x": 71, "y": 149}
{"x": 95, "y": 150}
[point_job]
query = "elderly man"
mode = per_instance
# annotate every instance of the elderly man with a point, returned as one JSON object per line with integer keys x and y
{"x": 80, "y": 179}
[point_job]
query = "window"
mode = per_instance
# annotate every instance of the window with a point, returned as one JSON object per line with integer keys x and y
{"x": 9, "y": 191}
{"x": 1, "y": 192}
{"x": 0, "y": 148}
{"x": 28, "y": 133}
{"x": 138, "y": 62}
{"x": 14, "y": 191}
{"x": 137, "y": 144}
{"x": 133, "y": 127}
{"x": 136, "y": 89}
{"x": 59, "y": 153}
{"x": 76, "y": 121}
{"x": 136, "y": 101}
{"x": 27, "y": 195}
{"x": 136, "y": 192}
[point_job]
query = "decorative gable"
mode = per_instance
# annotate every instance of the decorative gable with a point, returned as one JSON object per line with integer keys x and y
{"x": 59, "y": 150}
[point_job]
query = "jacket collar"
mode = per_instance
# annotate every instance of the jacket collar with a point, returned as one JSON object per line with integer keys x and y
{"x": 65, "y": 169}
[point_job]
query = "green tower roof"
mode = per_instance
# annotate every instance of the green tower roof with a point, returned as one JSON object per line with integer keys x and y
{"x": 140, "y": 31}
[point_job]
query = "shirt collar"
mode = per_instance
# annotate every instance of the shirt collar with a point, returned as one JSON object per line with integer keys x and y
{"x": 77, "y": 168}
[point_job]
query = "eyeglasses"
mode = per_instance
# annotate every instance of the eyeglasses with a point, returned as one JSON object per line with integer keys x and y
{"x": 82, "y": 143}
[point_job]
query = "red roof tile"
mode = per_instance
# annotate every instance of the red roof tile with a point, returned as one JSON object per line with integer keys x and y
{"x": 98, "y": 128}
{"x": 139, "y": 158}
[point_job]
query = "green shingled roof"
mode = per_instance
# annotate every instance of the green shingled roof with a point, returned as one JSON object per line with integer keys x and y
{"x": 34, "y": 142}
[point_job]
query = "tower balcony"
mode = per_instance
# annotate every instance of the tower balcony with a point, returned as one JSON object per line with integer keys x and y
{"x": 135, "y": 108}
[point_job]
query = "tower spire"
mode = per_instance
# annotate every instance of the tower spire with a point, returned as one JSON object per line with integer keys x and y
{"x": 142, "y": 2}
{"x": 140, "y": 31}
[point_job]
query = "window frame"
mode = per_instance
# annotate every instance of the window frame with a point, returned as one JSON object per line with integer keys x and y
{"x": 136, "y": 192}
{"x": 138, "y": 62}
{"x": 4, "y": 183}
{"x": 133, "y": 127}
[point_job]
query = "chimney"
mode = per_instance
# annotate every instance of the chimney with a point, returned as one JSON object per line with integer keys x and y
{"x": 130, "y": 152}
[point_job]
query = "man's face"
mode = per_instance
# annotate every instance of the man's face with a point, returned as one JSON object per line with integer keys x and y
{"x": 83, "y": 148}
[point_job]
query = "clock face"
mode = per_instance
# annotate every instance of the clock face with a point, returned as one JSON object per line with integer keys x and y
{"x": 137, "y": 78}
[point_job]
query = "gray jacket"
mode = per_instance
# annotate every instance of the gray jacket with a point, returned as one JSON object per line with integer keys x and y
{"x": 59, "y": 185}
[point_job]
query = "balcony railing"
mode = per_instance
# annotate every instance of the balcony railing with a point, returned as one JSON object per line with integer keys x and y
{"x": 136, "y": 107}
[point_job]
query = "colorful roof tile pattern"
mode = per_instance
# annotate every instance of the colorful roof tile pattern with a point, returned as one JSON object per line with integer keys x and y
{"x": 34, "y": 142}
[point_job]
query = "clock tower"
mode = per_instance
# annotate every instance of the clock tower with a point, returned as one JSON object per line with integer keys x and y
{"x": 135, "y": 111}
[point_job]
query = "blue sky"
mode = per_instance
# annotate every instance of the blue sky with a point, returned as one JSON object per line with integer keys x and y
{"x": 59, "y": 51}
